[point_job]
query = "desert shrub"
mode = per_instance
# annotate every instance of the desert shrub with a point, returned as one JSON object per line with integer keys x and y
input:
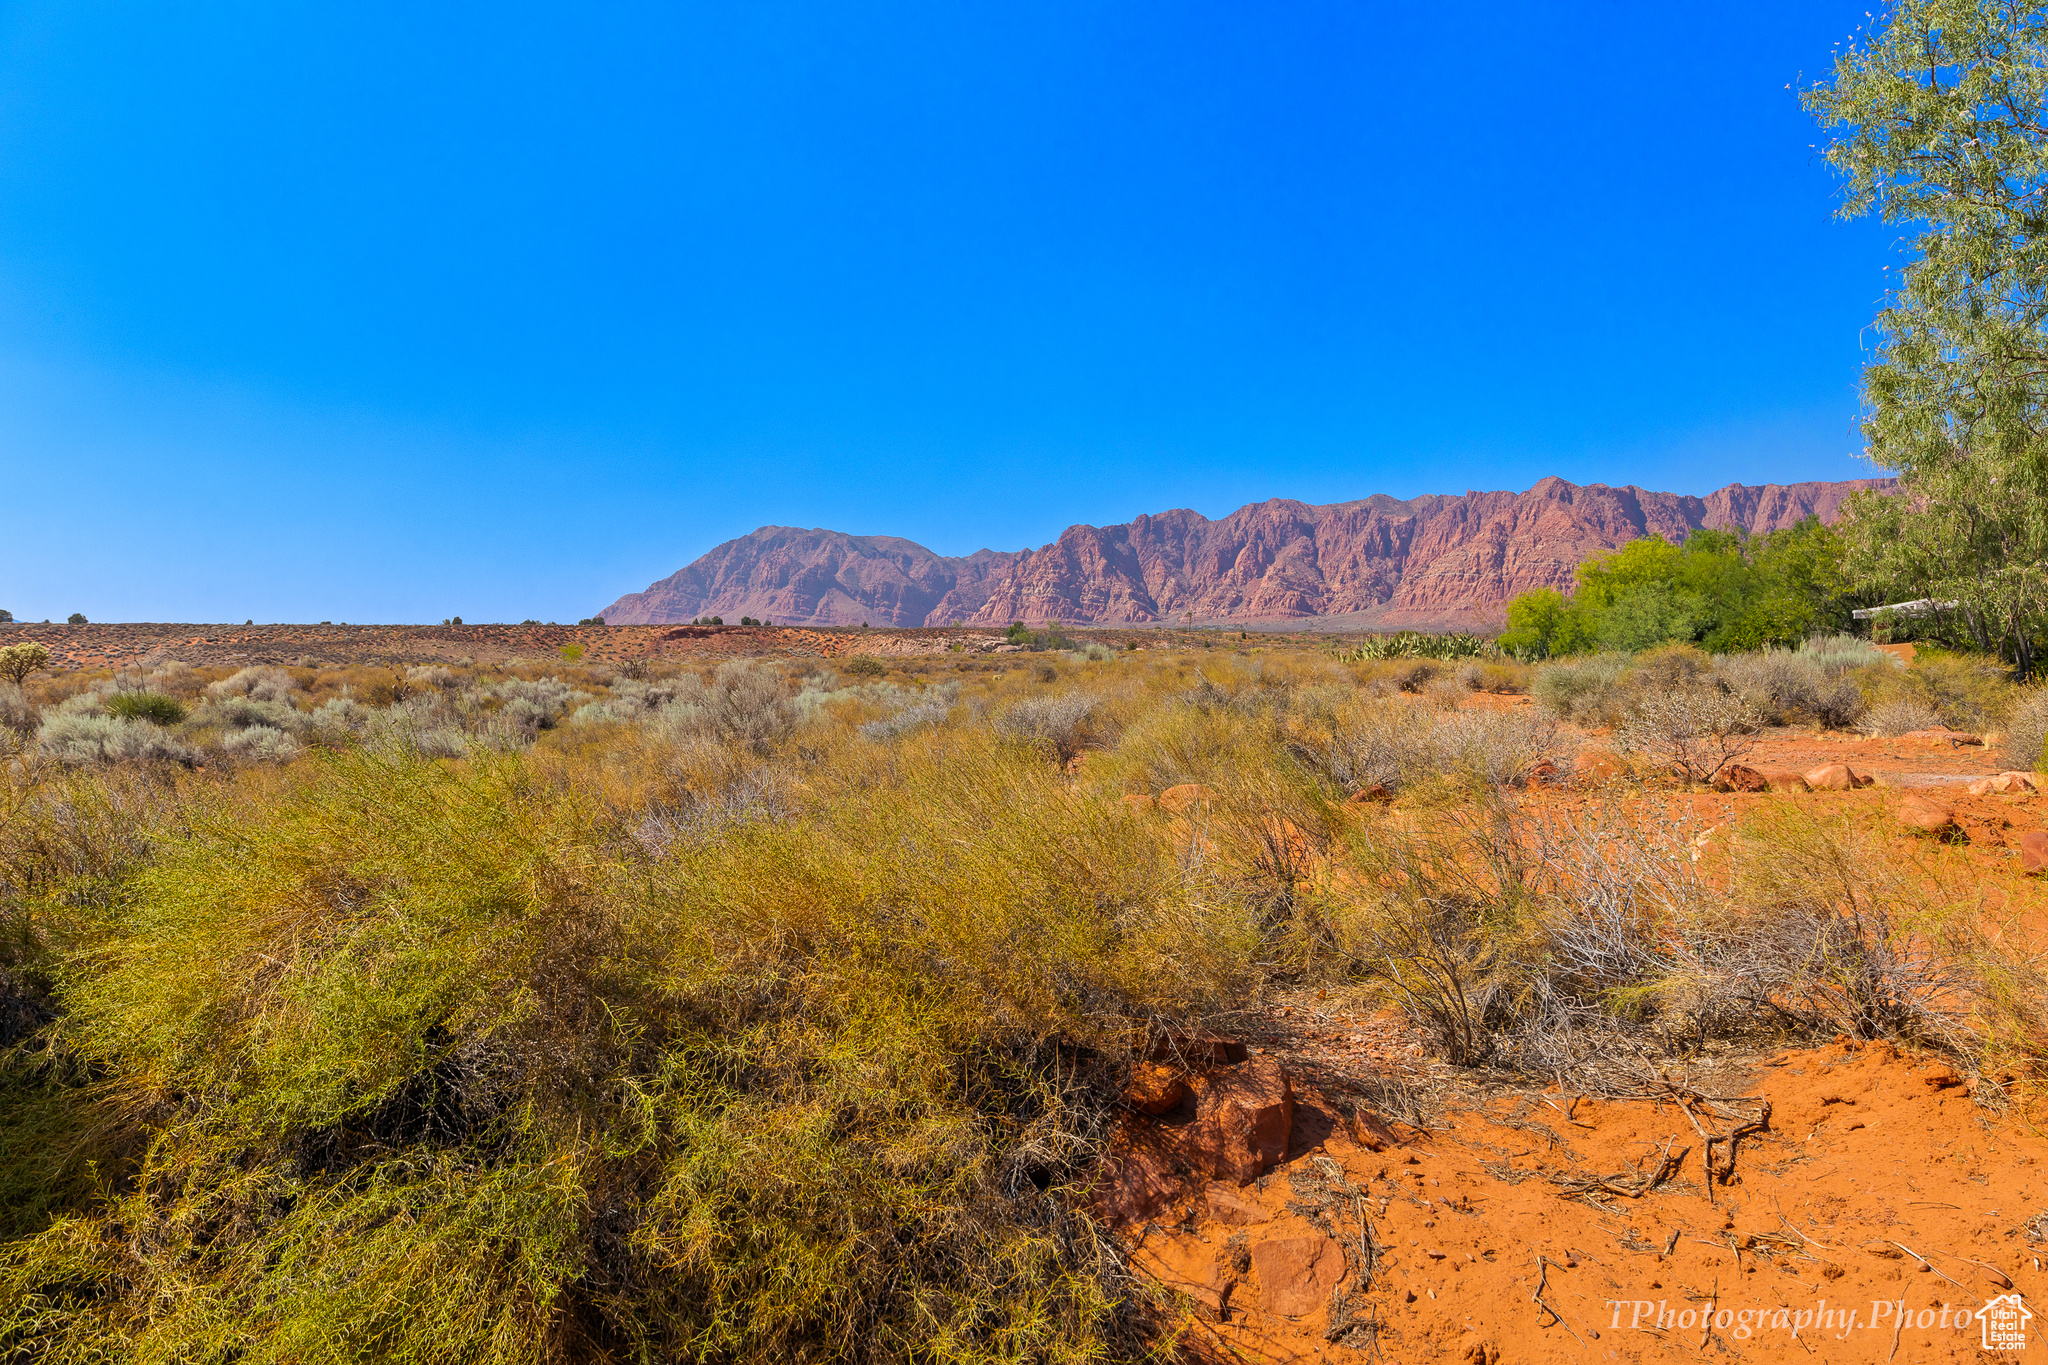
{"x": 17, "y": 712}
{"x": 1838, "y": 652}
{"x": 1399, "y": 746}
{"x": 1413, "y": 675}
{"x": 338, "y": 720}
{"x": 1966, "y": 692}
{"x": 1671, "y": 665}
{"x": 1900, "y": 716}
{"x": 1784, "y": 686}
{"x": 1583, "y": 691}
{"x": 235, "y": 712}
{"x": 77, "y": 738}
{"x": 1061, "y": 723}
{"x": 20, "y": 659}
{"x": 915, "y": 716}
{"x": 2025, "y": 742}
{"x": 76, "y": 618}
{"x": 1446, "y": 694}
{"x": 1693, "y": 732}
{"x": 1094, "y": 654}
{"x": 410, "y": 1065}
{"x": 571, "y": 652}
{"x": 431, "y": 675}
{"x": 1832, "y": 938}
{"x": 154, "y": 707}
{"x": 865, "y": 666}
{"x": 258, "y": 683}
{"x": 263, "y": 743}
{"x": 1442, "y": 927}
{"x": 532, "y": 704}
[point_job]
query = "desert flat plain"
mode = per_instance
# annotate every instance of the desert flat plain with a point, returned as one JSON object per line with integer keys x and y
{"x": 1307, "y": 1171}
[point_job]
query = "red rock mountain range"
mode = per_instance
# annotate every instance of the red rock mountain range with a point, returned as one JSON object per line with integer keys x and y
{"x": 1434, "y": 562}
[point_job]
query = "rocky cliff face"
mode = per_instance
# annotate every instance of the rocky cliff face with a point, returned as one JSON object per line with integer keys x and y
{"x": 1436, "y": 562}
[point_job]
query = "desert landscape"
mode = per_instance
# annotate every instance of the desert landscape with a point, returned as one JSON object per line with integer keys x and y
{"x": 1388, "y": 703}
{"x": 1298, "y": 1004}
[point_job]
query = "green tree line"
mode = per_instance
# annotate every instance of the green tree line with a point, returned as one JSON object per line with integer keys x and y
{"x": 1723, "y": 590}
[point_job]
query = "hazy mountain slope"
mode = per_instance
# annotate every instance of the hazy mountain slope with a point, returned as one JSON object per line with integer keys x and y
{"x": 1438, "y": 561}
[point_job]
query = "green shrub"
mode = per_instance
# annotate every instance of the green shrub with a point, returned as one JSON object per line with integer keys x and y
{"x": 76, "y": 618}
{"x": 154, "y": 707}
{"x": 865, "y": 666}
{"x": 415, "y": 1065}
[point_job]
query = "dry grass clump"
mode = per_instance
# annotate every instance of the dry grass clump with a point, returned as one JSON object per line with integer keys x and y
{"x": 1584, "y": 691}
{"x": 1692, "y": 732}
{"x": 2024, "y": 744}
{"x": 1900, "y": 716}
{"x": 1962, "y": 691}
{"x": 1544, "y": 946}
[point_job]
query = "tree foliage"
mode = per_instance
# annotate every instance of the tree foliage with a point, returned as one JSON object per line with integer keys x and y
{"x": 1725, "y": 590}
{"x": 1939, "y": 123}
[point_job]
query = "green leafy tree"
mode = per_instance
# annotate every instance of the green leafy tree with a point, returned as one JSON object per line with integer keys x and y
{"x": 1940, "y": 122}
{"x": 1726, "y": 590}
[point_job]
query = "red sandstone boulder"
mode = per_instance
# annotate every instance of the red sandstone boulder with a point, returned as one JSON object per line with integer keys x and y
{"x": 1927, "y": 814}
{"x": 1155, "y": 1089}
{"x": 1228, "y": 1207}
{"x": 1836, "y": 777}
{"x": 1737, "y": 777}
{"x": 1297, "y": 1274}
{"x": 1243, "y": 1118}
{"x": 2034, "y": 851}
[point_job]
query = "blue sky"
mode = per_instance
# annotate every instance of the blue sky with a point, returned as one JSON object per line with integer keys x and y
{"x": 386, "y": 313}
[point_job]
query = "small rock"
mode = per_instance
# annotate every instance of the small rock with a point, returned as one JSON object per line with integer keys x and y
{"x": 1885, "y": 1250}
{"x": 1544, "y": 771}
{"x": 1373, "y": 1132}
{"x": 1155, "y": 1089}
{"x": 2034, "y": 851}
{"x": 1229, "y": 1207}
{"x": 2002, "y": 784}
{"x": 1926, "y": 814}
{"x": 1376, "y": 792}
{"x": 1943, "y": 1079}
{"x": 1781, "y": 781}
{"x": 1296, "y": 1274}
{"x": 1140, "y": 801}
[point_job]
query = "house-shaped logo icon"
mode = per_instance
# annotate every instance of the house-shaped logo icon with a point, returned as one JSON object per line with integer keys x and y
{"x": 2005, "y": 1320}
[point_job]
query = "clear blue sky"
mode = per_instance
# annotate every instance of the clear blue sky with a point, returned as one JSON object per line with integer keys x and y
{"x": 386, "y": 312}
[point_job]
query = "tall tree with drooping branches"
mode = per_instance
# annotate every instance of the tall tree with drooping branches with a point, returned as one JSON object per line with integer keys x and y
{"x": 1940, "y": 122}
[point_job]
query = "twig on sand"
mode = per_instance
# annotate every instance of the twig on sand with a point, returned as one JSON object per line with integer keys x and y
{"x": 1542, "y": 1282}
{"x": 1929, "y": 1264}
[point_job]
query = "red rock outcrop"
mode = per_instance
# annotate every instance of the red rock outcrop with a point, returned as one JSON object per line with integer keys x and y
{"x": 1433, "y": 562}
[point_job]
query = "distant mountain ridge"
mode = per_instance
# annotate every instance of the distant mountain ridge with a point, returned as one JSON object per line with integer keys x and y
{"x": 1434, "y": 562}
